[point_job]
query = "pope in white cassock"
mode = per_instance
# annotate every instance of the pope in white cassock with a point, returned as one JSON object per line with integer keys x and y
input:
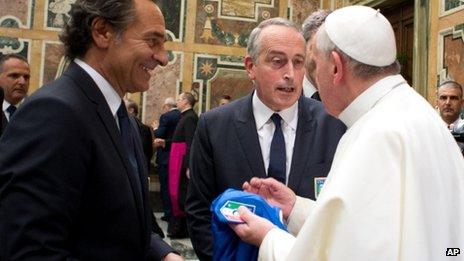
{"x": 396, "y": 187}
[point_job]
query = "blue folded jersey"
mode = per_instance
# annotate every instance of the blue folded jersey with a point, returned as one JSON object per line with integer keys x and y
{"x": 227, "y": 245}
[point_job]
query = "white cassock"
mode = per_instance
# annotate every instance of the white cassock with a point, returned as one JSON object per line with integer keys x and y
{"x": 395, "y": 190}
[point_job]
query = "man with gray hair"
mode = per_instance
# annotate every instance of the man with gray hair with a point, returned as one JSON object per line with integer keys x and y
{"x": 274, "y": 131}
{"x": 163, "y": 138}
{"x": 396, "y": 187}
{"x": 308, "y": 30}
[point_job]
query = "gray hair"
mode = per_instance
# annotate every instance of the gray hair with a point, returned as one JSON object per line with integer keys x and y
{"x": 451, "y": 83}
{"x": 254, "y": 45}
{"x": 170, "y": 102}
{"x": 77, "y": 33}
{"x": 312, "y": 23}
{"x": 360, "y": 70}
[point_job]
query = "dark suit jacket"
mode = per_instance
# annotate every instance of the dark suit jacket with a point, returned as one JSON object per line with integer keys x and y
{"x": 226, "y": 153}
{"x": 66, "y": 188}
{"x": 2, "y": 116}
{"x": 167, "y": 125}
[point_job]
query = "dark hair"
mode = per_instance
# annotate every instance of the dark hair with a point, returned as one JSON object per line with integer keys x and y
{"x": 190, "y": 98}
{"x": 77, "y": 33}
{"x": 9, "y": 56}
{"x": 226, "y": 97}
{"x": 453, "y": 84}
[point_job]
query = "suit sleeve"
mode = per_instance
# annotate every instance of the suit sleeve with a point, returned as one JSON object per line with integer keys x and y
{"x": 161, "y": 131}
{"x": 200, "y": 193}
{"x": 158, "y": 248}
{"x": 43, "y": 156}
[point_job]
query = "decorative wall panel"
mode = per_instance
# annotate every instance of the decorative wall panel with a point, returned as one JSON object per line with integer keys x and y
{"x": 219, "y": 75}
{"x": 229, "y": 23}
{"x": 174, "y": 15}
{"x": 165, "y": 82}
{"x": 451, "y": 54}
{"x": 17, "y": 13}
{"x": 450, "y": 6}
{"x": 53, "y": 61}
{"x": 57, "y": 13}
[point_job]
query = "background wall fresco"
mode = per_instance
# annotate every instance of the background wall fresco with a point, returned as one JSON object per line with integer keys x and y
{"x": 206, "y": 40}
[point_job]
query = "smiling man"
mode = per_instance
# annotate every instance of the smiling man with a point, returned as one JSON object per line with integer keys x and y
{"x": 73, "y": 180}
{"x": 14, "y": 80}
{"x": 274, "y": 131}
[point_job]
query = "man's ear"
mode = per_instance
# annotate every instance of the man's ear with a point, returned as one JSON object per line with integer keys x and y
{"x": 249, "y": 64}
{"x": 102, "y": 32}
{"x": 338, "y": 68}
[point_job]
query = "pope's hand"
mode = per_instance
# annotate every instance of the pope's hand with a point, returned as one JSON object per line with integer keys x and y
{"x": 274, "y": 192}
{"x": 254, "y": 229}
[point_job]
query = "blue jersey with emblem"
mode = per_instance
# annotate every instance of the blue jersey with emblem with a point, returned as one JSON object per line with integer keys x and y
{"x": 227, "y": 245}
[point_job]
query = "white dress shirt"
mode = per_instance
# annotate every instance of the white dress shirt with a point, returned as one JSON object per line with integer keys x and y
{"x": 111, "y": 96}
{"x": 266, "y": 127}
{"x": 5, "y": 107}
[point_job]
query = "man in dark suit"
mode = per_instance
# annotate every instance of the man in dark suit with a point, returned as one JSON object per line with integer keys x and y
{"x": 163, "y": 139}
{"x": 14, "y": 82}
{"x": 238, "y": 141}
{"x": 73, "y": 183}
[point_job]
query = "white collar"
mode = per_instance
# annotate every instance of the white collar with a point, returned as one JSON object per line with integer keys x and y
{"x": 5, "y": 105}
{"x": 308, "y": 87}
{"x": 262, "y": 113}
{"x": 367, "y": 99}
{"x": 111, "y": 96}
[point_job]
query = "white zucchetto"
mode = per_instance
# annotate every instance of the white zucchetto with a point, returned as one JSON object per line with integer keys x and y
{"x": 362, "y": 33}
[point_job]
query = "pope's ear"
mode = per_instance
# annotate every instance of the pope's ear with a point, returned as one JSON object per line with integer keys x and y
{"x": 249, "y": 67}
{"x": 102, "y": 32}
{"x": 337, "y": 67}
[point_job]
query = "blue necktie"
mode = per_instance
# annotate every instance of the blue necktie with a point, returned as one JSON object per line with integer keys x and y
{"x": 128, "y": 141}
{"x": 11, "y": 110}
{"x": 277, "y": 155}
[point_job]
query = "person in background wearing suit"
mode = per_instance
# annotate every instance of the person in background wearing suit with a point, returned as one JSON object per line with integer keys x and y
{"x": 146, "y": 138}
{"x": 274, "y": 131}
{"x": 163, "y": 138}
{"x": 14, "y": 81}
{"x": 308, "y": 30}
{"x": 144, "y": 130}
{"x": 73, "y": 180}
{"x": 179, "y": 163}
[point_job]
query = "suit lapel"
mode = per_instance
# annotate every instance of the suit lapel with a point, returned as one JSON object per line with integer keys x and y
{"x": 304, "y": 141}
{"x": 91, "y": 90}
{"x": 248, "y": 137}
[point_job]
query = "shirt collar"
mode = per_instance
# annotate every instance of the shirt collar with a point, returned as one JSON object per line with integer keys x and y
{"x": 111, "y": 96}
{"x": 367, "y": 99}
{"x": 262, "y": 113}
{"x": 5, "y": 105}
{"x": 308, "y": 87}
